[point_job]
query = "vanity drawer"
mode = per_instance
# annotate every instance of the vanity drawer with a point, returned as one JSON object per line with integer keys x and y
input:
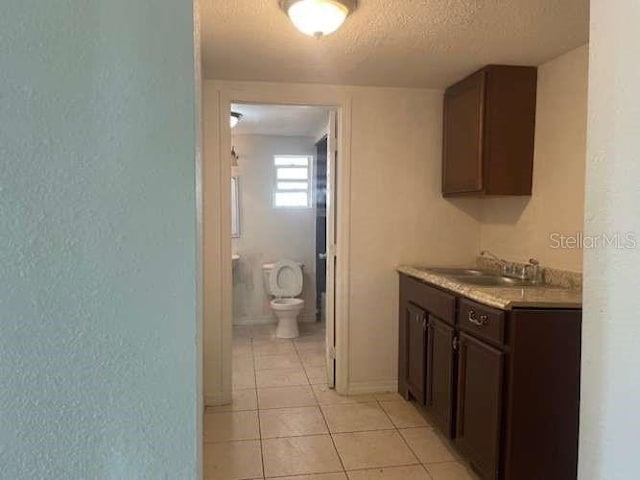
{"x": 481, "y": 321}
{"x": 431, "y": 299}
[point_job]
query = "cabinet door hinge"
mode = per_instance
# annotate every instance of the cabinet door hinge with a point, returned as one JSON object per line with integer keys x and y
{"x": 332, "y": 352}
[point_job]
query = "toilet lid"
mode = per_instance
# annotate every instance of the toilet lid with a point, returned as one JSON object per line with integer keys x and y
{"x": 286, "y": 279}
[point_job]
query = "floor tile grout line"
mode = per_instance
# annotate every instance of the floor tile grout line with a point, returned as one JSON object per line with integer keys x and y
{"x": 324, "y": 418}
{"x": 255, "y": 374}
{"x": 306, "y": 475}
{"x": 415, "y": 455}
{"x": 333, "y": 441}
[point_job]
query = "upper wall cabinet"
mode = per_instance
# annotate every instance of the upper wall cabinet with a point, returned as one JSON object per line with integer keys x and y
{"x": 489, "y": 128}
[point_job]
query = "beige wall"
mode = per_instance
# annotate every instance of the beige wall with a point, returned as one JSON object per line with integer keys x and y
{"x": 520, "y": 228}
{"x": 269, "y": 234}
{"x": 610, "y": 385}
{"x": 397, "y": 216}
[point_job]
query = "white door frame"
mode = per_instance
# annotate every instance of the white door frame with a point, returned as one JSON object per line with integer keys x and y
{"x": 330, "y": 255}
{"x": 309, "y": 95}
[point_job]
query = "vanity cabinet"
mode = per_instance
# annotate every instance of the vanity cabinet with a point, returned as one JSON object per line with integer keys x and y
{"x": 503, "y": 385}
{"x": 489, "y": 129}
{"x": 416, "y": 327}
{"x": 419, "y": 303}
{"x": 479, "y": 404}
{"x": 440, "y": 373}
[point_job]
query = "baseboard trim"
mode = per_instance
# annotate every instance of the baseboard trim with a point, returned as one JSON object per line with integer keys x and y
{"x": 365, "y": 388}
{"x": 263, "y": 320}
{"x": 271, "y": 320}
{"x": 217, "y": 399}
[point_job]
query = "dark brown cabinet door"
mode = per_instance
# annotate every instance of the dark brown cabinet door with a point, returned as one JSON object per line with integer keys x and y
{"x": 440, "y": 379}
{"x": 489, "y": 132}
{"x": 416, "y": 328}
{"x": 479, "y": 415}
{"x": 463, "y": 135}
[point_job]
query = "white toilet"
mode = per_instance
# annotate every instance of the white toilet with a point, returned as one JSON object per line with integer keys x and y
{"x": 283, "y": 280}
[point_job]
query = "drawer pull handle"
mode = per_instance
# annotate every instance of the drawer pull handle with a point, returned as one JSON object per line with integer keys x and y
{"x": 481, "y": 321}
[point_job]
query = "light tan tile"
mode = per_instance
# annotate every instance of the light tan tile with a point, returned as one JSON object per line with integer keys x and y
{"x": 312, "y": 358}
{"x": 312, "y": 328}
{"x": 282, "y": 397}
{"x": 241, "y": 352}
{"x": 319, "y": 476}
{"x": 292, "y": 422}
{"x": 241, "y": 331}
{"x": 277, "y": 362}
{"x": 231, "y": 426}
{"x": 241, "y": 341}
{"x": 233, "y": 460}
{"x": 427, "y": 445}
{"x": 260, "y": 332}
{"x": 404, "y": 414}
{"x": 450, "y": 471}
{"x": 356, "y": 417}
{"x": 242, "y": 400}
{"x": 242, "y": 364}
{"x": 299, "y": 456}
{"x": 310, "y": 345}
{"x": 388, "y": 397}
{"x": 413, "y": 472}
{"x": 328, "y": 396}
{"x": 383, "y": 448}
{"x": 243, "y": 368}
{"x": 317, "y": 375}
{"x": 273, "y": 347}
{"x": 281, "y": 378}
{"x": 310, "y": 337}
{"x": 243, "y": 379}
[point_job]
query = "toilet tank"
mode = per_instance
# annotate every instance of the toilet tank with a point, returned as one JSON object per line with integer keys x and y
{"x": 266, "y": 272}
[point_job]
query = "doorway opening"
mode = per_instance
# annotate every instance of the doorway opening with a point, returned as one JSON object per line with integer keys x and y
{"x": 283, "y": 225}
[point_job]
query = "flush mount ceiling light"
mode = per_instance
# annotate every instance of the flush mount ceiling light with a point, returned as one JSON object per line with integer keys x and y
{"x": 234, "y": 119}
{"x": 318, "y": 18}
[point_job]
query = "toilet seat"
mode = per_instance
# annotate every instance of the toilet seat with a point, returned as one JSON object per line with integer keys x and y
{"x": 286, "y": 279}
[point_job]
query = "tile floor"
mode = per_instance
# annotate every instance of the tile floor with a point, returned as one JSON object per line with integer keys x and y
{"x": 284, "y": 423}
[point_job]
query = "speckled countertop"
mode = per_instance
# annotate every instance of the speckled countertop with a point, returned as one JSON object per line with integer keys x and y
{"x": 500, "y": 297}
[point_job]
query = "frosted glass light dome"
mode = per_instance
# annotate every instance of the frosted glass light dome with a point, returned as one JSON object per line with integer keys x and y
{"x": 318, "y": 18}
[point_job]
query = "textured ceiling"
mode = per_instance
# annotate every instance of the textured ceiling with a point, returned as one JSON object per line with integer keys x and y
{"x": 288, "y": 121}
{"x": 415, "y": 43}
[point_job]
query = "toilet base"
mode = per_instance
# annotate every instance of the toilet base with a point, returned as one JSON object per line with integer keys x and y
{"x": 287, "y": 311}
{"x": 287, "y": 328}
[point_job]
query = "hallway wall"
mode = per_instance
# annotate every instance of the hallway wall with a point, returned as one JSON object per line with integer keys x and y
{"x": 99, "y": 368}
{"x": 610, "y": 384}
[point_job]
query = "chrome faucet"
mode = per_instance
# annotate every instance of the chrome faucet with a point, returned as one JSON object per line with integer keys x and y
{"x": 506, "y": 267}
{"x": 534, "y": 272}
{"x": 531, "y": 272}
{"x": 487, "y": 253}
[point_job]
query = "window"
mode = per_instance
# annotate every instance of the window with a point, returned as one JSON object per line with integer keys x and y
{"x": 292, "y": 179}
